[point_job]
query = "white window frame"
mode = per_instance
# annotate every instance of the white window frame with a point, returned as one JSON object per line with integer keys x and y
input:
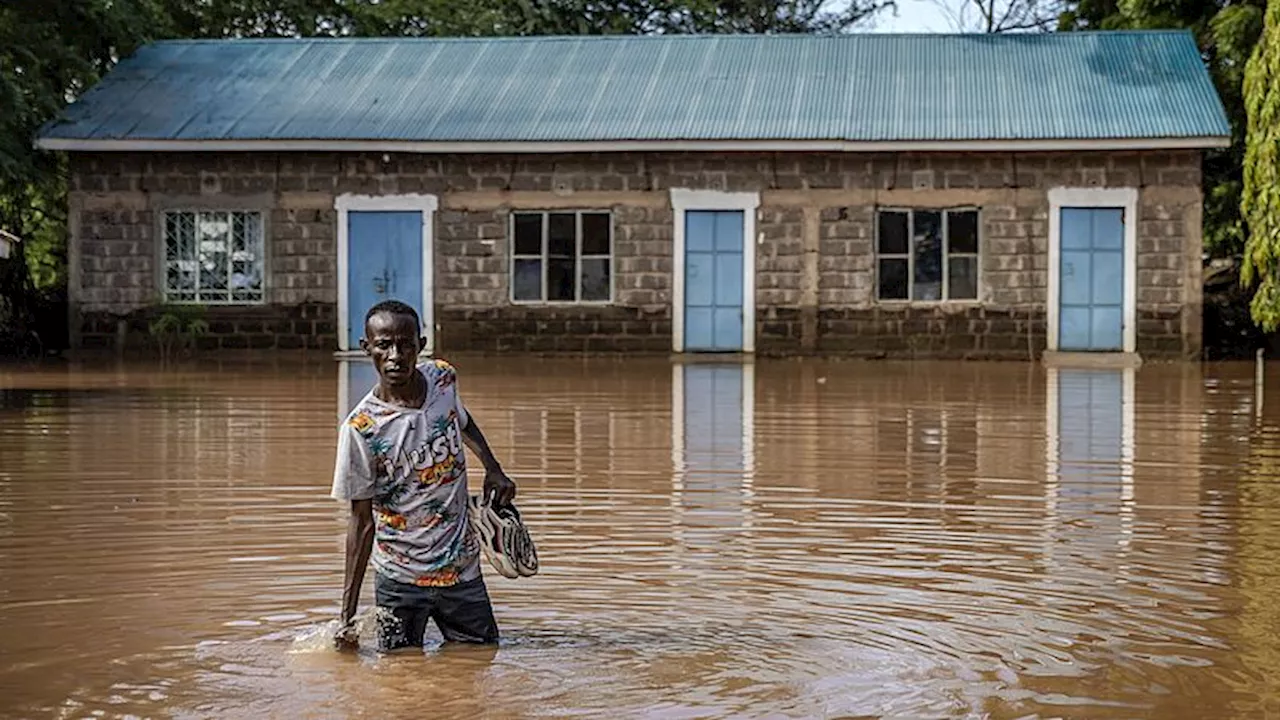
{"x": 684, "y": 200}
{"x": 1075, "y": 197}
{"x": 163, "y": 275}
{"x": 910, "y": 255}
{"x": 578, "y": 257}
{"x": 427, "y": 205}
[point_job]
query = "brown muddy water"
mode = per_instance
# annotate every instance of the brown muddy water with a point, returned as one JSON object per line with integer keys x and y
{"x": 782, "y": 539}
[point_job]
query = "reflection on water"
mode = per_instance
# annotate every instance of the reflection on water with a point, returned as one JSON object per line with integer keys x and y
{"x": 769, "y": 539}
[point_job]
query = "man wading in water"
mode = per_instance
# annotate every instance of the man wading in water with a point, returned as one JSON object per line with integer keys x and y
{"x": 400, "y": 460}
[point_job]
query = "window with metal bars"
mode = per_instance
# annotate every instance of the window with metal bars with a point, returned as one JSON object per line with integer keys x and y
{"x": 213, "y": 257}
{"x": 561, "y": 257}
{"x": 927, "y": 255}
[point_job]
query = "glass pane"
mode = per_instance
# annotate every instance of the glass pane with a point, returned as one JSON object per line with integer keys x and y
{"x": 560, "y": 235}
{"x": 926, "y": 245}
{"x": 560, "y": 279}
{"x": 893, "y": 233}
{"x": 962, "y": 278}
{"x": 213, "y": 243}
{"x": 246, "y": 256}
{"x": 595, "y": 279}
{"x": 180, "y": 236}
{"x": 595, "y": 234}
{"x": 962, "y": 231}
{"x": 526, "y": 280}
{"x": 893, "y": 279}
{"x": 528, "y": 234}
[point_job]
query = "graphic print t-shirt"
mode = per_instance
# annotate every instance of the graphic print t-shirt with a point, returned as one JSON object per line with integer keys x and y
{"x": 411, "y": 463}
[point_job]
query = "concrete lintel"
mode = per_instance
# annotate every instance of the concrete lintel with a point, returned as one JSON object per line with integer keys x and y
{"x": 1091, "y": 360}
{"x": 306, "y": 201}
{"x": 1169, "y": 195}
{"x": 907, "y": 197}
{"x": 124, "y": 200}
{"x": 540, "y": 200}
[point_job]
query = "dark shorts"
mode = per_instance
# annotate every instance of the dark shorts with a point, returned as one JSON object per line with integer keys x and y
{"x": 462, "y": 612}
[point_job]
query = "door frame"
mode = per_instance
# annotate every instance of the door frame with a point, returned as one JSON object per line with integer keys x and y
{"x": 1073, "y": 197}
{"x": 427, "y": 205}
{"x": 684, "y": 200}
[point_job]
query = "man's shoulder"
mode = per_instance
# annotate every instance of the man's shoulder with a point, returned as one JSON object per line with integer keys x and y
{"x": 366, "y": 416}
{"x": 438, "y": 366}
{"x": 440, "y": 373}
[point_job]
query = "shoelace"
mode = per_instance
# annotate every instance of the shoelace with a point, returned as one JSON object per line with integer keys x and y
{"x": 518, "y": 545}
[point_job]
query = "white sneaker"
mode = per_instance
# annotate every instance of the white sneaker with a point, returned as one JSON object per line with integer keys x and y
{"x": 505, "y": 539}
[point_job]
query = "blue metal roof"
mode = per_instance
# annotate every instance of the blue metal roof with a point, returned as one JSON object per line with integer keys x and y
{"x": 862, "y": 87}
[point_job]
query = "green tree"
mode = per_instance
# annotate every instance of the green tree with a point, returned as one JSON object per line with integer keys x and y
{"x": 1260, "y": 203}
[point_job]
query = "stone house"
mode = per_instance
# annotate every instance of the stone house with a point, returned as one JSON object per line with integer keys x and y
{"x": 920, "y": 196}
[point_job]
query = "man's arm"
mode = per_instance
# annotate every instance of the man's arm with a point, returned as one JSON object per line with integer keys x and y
{"x": 353, "y": 483}
{"x": 496, "y": 483}
{"x": 359, "y": 546}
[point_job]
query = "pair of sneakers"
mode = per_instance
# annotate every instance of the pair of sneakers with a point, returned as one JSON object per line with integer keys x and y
{"x": 504, "y": 538}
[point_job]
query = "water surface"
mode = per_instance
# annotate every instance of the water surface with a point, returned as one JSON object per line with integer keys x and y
{"x": 778, "y": 539}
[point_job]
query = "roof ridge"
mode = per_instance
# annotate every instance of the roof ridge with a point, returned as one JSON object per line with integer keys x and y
{"x": 683, "y": 37}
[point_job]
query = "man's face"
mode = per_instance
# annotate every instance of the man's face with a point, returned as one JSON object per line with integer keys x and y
{"x": 391, "y": 340}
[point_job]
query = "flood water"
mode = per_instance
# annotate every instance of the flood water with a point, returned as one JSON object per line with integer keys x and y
{"x": 777, "y": 539}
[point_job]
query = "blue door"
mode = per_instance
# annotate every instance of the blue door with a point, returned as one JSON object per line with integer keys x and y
{"x": 1091, "y": 303}
{"x": 384, "y": 262}
{"x": 713, "y": 281}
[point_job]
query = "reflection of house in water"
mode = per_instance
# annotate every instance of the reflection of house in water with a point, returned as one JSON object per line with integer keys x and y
{"x": 712, "y": 440}
{"x": 355, "y": 379}
{"x": 1089, "y": 421}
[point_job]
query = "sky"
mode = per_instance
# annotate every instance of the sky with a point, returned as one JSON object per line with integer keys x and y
{"x": 913, "y": 16}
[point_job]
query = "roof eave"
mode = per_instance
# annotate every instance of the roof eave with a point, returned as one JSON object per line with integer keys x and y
{"x": 583, "y": 146}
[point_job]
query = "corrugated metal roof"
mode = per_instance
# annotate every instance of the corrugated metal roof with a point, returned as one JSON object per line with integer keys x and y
{"x": 865, "y": 87}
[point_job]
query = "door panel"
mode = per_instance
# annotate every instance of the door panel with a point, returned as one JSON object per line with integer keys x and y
{"x": 713, "y": 280}
{"x": 1091, "y": 279}
{"x": 384, "y": 262}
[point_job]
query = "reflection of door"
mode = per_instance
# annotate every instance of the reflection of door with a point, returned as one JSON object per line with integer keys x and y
{"x": 1091, "y": 433}
{"x": 713, "y": 420}
{"x": 355, "y": 379}
{"x": 1091, "y": 303}
{"x": 385, "y": 263}
{"x": 712, "y": 434}
{"x": 713, "y": 280}
{"x": 1089, "y": 471}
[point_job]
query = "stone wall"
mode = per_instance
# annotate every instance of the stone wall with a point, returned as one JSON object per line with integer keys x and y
{"x": 815, "y": 255}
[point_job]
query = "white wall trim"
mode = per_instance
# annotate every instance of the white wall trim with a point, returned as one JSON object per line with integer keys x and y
{"x": 427, "y": 205}
{"x": 1068, "y": 197}
{"x": 572, "y": 146}
{"x": 684, "y": 200}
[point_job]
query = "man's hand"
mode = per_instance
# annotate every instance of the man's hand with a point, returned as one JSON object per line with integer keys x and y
{"x": 498, "y": 488}
{"x": 347, "y": 639}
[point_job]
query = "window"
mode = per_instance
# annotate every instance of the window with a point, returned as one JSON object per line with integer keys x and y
{"x": 561, "y": 257}
{"x": 213, "y": 257}
{"x": 927, "y": 255}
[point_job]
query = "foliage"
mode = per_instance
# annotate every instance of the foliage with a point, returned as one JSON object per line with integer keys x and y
{"x": 1261, "y": 194}
{"x": 1226, "y": 32}
{"x": 177, "y": 326}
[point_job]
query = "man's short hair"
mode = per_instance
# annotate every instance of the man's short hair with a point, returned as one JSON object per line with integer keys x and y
{"x": 392, "y": 307}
